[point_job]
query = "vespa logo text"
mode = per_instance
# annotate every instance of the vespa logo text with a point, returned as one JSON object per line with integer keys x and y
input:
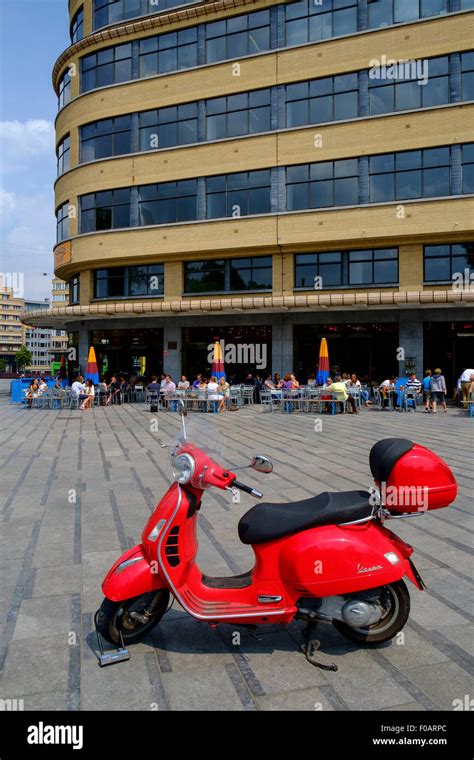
{"x": 362, "y": 569}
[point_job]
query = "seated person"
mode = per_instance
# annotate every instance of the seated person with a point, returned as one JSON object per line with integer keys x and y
{"x": 269, "y": 384}
{"x": 386, "y": 388}
{"x": 183, "y": 384}
{"x": 340, "y": 389}
{"x": 89, "y": 393}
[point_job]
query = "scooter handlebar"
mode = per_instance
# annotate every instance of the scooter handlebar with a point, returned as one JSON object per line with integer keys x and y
{"x": 247, "y": 489}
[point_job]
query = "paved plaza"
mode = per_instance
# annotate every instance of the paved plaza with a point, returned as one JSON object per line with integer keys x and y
{"x": 75, "y": 491}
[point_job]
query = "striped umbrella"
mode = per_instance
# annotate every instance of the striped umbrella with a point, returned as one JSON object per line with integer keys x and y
{"x": 323, "y": 364}
{"x": 92, "y": 373}
{"x": 218, "y": 361}
{"x": 62, "y": 374}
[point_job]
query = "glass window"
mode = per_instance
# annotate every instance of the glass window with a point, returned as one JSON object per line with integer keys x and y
{"x": 238, "y": 36}
{"x": 468, "y": 168}
{"x": 321, "y": 100}
{"x": 308, "y": 21}
{"x": 204, "y": 276}
{"x": 409, "y": 85}
{"x": 253, "y": 273}
{"x": 168, "y": 52}
{"x": 112, "y": 11}
{"x": 63, "y": 155}
{"x": 64, "y": 89}
{"x": 326, "y": 266}
{"x": 74, "y": 289}
{"x": 246, "y": 113}
{"x": 238, "y": 194}
{"x": 166, "y": 127}
{"x": 77, "y": 26}
{"x": 467, "y": 76}
{"x": 62, "y": 222}
{"x": 106, "y": 67}
{"x": 228, "y": 275}
{"x": 107, "y": 137}
{"x": 145, "y": 280}
{"x": 387, "y": 12}
{"x": 373, "y": 267}
{"x": 167, "y": 202}
{"x": 109, "y": 209}
{"x": 443, "y": 262}
{"x": 410, "y": 174}
{"x": 323, "y": 184}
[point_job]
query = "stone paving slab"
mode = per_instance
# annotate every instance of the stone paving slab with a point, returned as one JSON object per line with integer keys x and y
{"x": 75, "y": 491}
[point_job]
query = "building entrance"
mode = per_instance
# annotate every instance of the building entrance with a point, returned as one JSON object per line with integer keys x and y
{"x": 368, "y": 349}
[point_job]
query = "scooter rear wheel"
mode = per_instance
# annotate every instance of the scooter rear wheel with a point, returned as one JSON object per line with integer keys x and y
{"x": 115, "y": 618}
{"x": 398, "y": 610}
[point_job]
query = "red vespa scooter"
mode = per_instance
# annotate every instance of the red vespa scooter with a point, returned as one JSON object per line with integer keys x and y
{"x": 328, "y": 558}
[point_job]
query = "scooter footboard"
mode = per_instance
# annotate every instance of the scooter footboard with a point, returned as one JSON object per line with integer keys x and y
{"x": 132, "y": 575}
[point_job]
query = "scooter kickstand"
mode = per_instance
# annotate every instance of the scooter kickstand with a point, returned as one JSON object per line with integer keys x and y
{"x": 120, "y": 654}
{"x": 311, "y": 646}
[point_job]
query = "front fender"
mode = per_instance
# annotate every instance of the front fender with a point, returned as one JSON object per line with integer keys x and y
{"x": 132, "y": 575}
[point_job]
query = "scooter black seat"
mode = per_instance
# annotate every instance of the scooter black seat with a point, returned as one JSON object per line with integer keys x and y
{"x": 385, "y": 454}
{"x": 267, "y": 522}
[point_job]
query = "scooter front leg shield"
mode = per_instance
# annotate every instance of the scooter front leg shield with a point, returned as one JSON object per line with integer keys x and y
{"x": 132, "y": 575}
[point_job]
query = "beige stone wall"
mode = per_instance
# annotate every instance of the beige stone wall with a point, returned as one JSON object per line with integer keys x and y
{"x": 440, "y": 126}
{"x": 408, "y": 225}
{"x": 338, "y": 229}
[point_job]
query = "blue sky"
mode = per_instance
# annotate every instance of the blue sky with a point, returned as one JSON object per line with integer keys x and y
{"x": 27, "y": 159}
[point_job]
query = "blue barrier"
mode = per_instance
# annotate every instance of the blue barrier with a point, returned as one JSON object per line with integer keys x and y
{"x": 18, "y": 387}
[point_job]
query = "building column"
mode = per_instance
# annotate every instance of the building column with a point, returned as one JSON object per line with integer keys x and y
{"x": 83, "y": 349}
{"x": 172, "y": 351}
{"x": 411, "y": 341}
{"x": 282, "y": 346}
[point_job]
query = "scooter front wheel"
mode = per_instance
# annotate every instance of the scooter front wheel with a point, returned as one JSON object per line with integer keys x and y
{"x": 132, "y": 618}
{"x": 395, "y": 600}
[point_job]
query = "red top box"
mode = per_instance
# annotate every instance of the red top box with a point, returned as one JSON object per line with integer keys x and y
{"x": 410, "y": 477}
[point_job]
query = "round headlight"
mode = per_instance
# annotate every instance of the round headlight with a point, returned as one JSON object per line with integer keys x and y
{"x": 183, "y": 468}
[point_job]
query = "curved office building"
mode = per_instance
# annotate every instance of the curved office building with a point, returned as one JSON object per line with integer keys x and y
{"x": 271, "y": 173}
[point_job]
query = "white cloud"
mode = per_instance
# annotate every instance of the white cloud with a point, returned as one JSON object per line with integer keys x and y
{"x": 27, "y": 165}
{"x": 7, "y": 202}
{"x": 22, "y": 141}
{"x": 28, "y": 239}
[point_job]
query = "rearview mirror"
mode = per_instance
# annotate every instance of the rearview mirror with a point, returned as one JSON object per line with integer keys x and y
{"x": 261, "y": 463}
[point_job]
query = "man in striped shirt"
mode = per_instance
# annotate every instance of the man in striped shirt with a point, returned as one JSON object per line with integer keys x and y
{"x": 413, "y": 385}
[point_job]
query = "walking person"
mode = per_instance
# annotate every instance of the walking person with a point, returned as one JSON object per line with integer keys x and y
{"x": 426, "y": 386}
{"x": 438, "y": 390}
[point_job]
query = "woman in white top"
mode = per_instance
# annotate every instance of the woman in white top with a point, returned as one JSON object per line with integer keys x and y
{"x": 212, "y": 389}
{"x": 90, "y": 393}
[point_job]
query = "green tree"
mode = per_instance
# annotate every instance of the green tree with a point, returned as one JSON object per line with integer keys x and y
{"x": 3, "y": 365}
{"x": 23, "y": 357}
